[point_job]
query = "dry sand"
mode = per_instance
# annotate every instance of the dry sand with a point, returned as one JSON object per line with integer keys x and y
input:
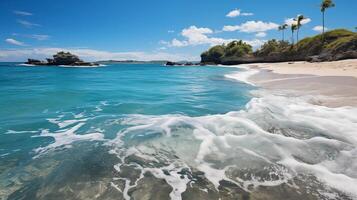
{"x": 335, "y": 80}
{"x": 335, "y": 68}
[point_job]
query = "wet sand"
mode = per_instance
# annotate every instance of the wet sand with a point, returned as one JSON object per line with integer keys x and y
{"x": 333, "y": 83}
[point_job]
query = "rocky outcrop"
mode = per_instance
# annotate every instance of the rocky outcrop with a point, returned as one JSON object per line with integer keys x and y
{"x": 62, "y": 58}
{"x": 169, "y": 63}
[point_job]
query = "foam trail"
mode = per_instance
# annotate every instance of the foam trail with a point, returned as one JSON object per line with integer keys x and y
{"x": 64, "y": 138}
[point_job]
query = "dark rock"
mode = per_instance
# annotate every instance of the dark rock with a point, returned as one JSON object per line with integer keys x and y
{"x": 33, "y": 62}
{"x": 346, "y": 55}
{"x": 62, "y": 58}
{"x": 166, "y": 172}
{"x": 50, "y": 61}
{"x": 170, "y": 63}
{"x": 150, "y": 188}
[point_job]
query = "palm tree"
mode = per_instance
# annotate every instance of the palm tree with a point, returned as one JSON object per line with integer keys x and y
{"x": 298, "y": 25}
{"x": 325, "y": 5}
{"x": 282, "y": 28}
{"x": 293, "y": 29}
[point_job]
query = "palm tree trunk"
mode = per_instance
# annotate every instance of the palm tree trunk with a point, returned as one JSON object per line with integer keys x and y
{"x": 283, "y": 35}
{"x": 323, "y": 27}
{"x": 297, "y": 35}
{"x": 292, "y": 37}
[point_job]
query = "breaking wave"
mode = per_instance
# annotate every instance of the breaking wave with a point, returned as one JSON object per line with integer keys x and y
{"x": 275, "y": 139}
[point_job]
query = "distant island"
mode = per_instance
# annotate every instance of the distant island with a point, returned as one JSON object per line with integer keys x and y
{"x": 334, "y": 45}
{"x": 61, "y": 58}
{"x": 160, "y": 62}
{"x": 132, "y": 62}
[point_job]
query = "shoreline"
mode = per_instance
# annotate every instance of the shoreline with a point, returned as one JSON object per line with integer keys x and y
{"x": 334, "y": 84}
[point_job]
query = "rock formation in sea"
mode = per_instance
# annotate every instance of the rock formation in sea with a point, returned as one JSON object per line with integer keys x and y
{"x": 61, "y": 58}
{"x": 169, "y": 63}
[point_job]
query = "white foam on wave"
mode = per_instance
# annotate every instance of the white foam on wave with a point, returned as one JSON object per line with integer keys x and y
{"x": 277, "y": 133}
{"x": 64, "y": 137}
{"x": 81, "y": 66}
{"x": 27, "y": 65}
{"x": 243, "y": 75}
{"x": 174, "y": 179}
{"x": 65, "y": 123}
{"x": 19, "y": 132}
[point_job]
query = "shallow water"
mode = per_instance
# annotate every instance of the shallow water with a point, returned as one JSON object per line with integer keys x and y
{"x": 155, "y": 132}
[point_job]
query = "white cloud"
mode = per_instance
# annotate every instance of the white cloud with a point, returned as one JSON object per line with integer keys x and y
{"x": 261, "y": 34}
{"x": 319, "y": 28}
{"x": 27, "y": 24}
{"x": 197, "y": 36}
{"x": 90, "y": 55}
{"x": 255, "y": 43}
{"x": 236, "y": 13}
{"x": 247, "y": 14}
{"x": 230, "y": 28}
{"x": 14, "y": 42}
{"x": 252, "y": 27}
{"x": 290, "y": 21}
{"x": 39, "y": 37}
{"x": 22, "y": 13}
{"x": 201, "y": 36}
{"x": 177, "y": 43}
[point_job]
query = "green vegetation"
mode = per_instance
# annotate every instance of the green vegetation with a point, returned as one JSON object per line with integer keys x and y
{"x": 325, "y": 5}
{"x": 234, "y": 49}
{"x": 298, "y": 25}
{"x": 273, "y": 47}
{"x": 282, "y": 29}
{"x": 294, "y": 27}
{"x": 333, "y": 39}
{"x": 337, "y": 43}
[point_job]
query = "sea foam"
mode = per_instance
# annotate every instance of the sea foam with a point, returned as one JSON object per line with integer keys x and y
{"x": 278, "y": 135}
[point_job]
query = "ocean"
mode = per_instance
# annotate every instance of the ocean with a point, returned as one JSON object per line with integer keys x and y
{"x": 147, "y": 131}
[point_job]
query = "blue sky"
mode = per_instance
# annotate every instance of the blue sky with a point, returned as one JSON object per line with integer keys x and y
{"x": 150, "y": 30}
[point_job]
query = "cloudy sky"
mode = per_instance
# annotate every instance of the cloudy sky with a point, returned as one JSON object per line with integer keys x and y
{"x": 152, "y": 30}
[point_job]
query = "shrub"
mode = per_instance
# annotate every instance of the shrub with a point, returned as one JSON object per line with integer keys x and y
{"x": 272, "y": 46}
{"x": 234, "y": 49}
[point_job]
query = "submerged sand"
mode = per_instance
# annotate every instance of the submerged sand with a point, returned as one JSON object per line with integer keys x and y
{"x": 335, "y": 83}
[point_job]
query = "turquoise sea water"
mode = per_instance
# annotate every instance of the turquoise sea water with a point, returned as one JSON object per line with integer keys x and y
{"x": 31, "y": 96}
{"x": 35, "y": 100}
{"x": 153, "y": 132}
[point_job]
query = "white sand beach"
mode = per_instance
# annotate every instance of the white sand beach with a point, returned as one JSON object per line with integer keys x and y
{"x": 334, "y": 68}
{"x": 335, "y": 80}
